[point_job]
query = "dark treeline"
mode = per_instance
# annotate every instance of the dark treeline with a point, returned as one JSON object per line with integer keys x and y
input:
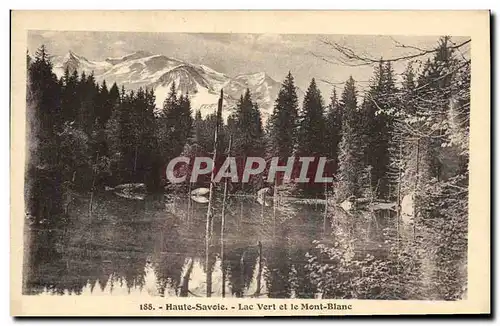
{"x": 396, "y": 138}
{"x": 403, "y": 140}
{"x": 407, "y": 142}
{"x": 84, "y": 136}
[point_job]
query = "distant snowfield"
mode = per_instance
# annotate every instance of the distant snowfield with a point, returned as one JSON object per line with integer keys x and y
{"x": 144, "y": 69}
{"x": 202, "y": 97}
{"x": 202, "y": 100}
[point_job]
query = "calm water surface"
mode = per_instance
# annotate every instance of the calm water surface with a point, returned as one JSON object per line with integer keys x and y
{"x": 157, "y": 246}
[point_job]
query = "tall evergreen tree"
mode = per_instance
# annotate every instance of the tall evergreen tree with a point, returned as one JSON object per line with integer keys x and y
{"x": 186, "y": 119}
{"x": 104, "y": 105}
{"x": 311, "y": 128}
{"x": 145, "y": 156}
{"x": 127, "y": 138}
{"x": 402, "y": 148}
{"x": 408, "y": 90}
{"x": 379, "y": 101}
{"x": 45, "y": 121}
{"x": 247, "y": 131}
{"x": 113, "y": 136}
{"x": 311, "y": 135}
{"x": 197, "y": 128}
{"x": 175, "y": 123}
{"x": 69, "y": 96}
{"x": 439, "y": 179}
{"x": 333, "y": 132}
{"x": 88, "y": 91}
{"x": 248, "y": 140}
{"x": 166, "y": 121}
{"x": 352, "y": 145}
{"x": 284, "y": 119}
{"x": 114, "y": 95}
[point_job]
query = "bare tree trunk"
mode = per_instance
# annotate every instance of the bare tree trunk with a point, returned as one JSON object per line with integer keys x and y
{"x": 185, "y": 283}
{"x": 370, "y": 185}
{"x": 189, "y": 202}
{"x": 415, "y": 193}
{"x": 241, "y": 215}
{"x": 262, "y": 208}
{"x": 326, "y": 209}
{"x": 93, "y": 185}
{"x": 275, "y": 199}
{"x": 223, "y": 222}
{"x": 209, "y": 226}
{"x": 209, "y": 281}
{"x": 398, "y": 209}
{"x": 135, "y": 158}
{"x": 259, "y": 273}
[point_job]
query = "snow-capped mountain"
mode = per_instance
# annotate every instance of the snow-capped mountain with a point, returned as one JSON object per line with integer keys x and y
{"x": 73, "y": 61}
{"x": 144, "y": 69}
{"x": 263, "y": 88}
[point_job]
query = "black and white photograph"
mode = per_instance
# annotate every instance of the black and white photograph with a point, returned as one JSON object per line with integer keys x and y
{"x": 246, "y": 166}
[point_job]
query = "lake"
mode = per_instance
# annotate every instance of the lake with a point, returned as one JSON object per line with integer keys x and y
{"x": 157, "y": 246}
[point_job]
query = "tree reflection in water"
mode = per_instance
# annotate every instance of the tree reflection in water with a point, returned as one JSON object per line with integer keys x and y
{"x": 158, "y": 248}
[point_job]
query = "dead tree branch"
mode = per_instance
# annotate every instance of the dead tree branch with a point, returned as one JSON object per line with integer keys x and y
{"x": 349, "y": 57}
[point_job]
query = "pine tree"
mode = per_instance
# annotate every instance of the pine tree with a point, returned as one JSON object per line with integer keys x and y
{"x": 113, "y": 139}
{"x": 378, "y": 105}
{"x": 127, "y": 138}
{"x": 311, "y": 135}
{"x": 402, "y": 149}
{"x": 28, "y": 60}
{"x": 186, "y": 120}
{"x": 333, "y": 132}
{"x": 311, "y": 128}
{"x": 104, "y": 104}
{"x": 197, "y": 128}
{"x": 45, "y": 122}
{"x": 175, "y": 124}
{"x": 166, "y": 121}
{"x": 248, "y": 140}
{"x": 145, "y": 151}
{"x": 352, "y": 145}
{"x": 45, "y": 88}
{"x": 70, "y": 101}
{"x": 441, "y": 181}
{"x": 283, "y": 121}
{"x": 408, "y": 90}
{"x": 247, "y": 131}
{"x": 204, "y": 129}
{"x": 114, "y": 95}
{"x": 88, "y": 91}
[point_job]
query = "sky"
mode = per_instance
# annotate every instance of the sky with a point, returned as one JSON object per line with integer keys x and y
{"x": 234, "y": 54}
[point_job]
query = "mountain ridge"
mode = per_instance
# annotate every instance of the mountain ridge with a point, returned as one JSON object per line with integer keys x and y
{"x": 158, "y": 71}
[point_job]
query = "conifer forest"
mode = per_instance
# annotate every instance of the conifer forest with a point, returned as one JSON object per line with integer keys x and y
{"x": 101, "y": 215}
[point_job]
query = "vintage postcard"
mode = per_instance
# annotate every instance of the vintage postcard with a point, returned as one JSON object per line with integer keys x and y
{"x": 250, "y": 163}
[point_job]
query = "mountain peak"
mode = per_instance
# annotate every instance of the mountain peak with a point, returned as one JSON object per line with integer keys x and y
{"x": 73, "y": 61}
{"x": 157, "y": 71}
{"x": 131, "y": 56}
{"x": 254, "y": 79}
{"x": 253, "y": 75}
{"x": 142, "y": 53}
{"x": 72, "y": 56}
{"x": 260, "y": 74}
